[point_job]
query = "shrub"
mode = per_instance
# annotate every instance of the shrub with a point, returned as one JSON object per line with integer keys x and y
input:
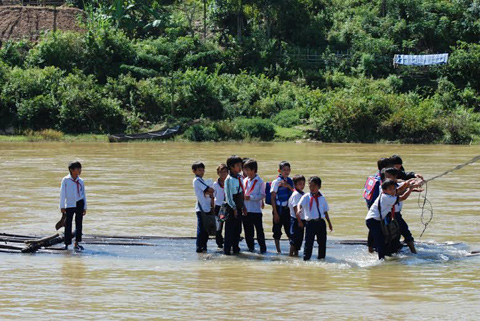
{"x": 201, "y": 133}
{"x": 287, "y": 118}
{"x": 83, "y": 109}
{"x": 64, "y": 50}
{"x": 254, "y": 128}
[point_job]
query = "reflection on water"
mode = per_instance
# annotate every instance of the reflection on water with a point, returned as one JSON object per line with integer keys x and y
{"x": 145, "y": 189}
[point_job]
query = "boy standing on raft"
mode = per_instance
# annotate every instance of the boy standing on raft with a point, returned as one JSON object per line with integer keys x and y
{"x": 315, "y": 208}
{"x": 234, "y": 197}
{"x": 219, "y": 198}
{"x": 203, "y": 192}
{"x": 297, "y": 219}
{"x": 281, "y": 190}
{"x": 73, "y": 201}
{"x": 254, "y": 194}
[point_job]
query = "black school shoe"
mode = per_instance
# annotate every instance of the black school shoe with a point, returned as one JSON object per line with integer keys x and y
{"x": 78, "y": 247}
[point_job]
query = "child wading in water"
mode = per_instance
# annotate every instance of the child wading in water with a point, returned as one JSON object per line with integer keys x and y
{"x": 315, "y": 208}
{"x": 203, "y": 192}
{"x": 73, "y": 201}
{"x": 297, "y": 218}
{"x": 254, "y": 194}
{"x": 219, "y": 194}
{"x": 234, "y": 197}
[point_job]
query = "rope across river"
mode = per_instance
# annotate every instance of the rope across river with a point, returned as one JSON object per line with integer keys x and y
{"x": 424, "y": 203}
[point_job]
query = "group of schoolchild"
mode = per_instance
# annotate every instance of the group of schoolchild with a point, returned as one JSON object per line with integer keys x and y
{"x": 384, "y": 194}
{"x": 238, "y": 196}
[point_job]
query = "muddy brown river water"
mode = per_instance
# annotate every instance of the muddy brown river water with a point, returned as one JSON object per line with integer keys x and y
{"x": 145, "y": 189}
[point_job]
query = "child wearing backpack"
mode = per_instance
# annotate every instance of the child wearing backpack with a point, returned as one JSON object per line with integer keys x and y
{"x": 234, "y": 197}
{"x": 281, "y": 190}
{"x": 382, "y": 206}
{"x": 204, "y": 194}
{"x": 254, "y": 195}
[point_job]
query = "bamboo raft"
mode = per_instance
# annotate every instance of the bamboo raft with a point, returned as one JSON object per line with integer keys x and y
{"x": 53, "y": 244}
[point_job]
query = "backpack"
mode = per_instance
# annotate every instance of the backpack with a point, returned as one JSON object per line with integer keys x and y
{"x": 268, "y": 194}
{"x": 371, "y": 190}
{"x": 390, "y": 228}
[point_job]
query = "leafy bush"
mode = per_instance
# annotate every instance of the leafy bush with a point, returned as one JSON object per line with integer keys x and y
{"x": 201, "y": 133}
{"x": 254, "y": 128}
{"x": 287, "y": 118}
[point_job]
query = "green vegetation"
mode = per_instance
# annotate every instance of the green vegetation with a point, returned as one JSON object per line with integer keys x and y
{"x": 253, "y": 70}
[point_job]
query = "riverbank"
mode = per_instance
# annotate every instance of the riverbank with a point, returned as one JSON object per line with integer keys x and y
{"x": 284, "y": 135}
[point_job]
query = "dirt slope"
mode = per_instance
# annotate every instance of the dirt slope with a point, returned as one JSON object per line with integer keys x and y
{"x": 17, "y": 22}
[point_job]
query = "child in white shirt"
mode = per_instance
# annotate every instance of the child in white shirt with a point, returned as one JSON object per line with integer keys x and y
{"x": 203, "y": 192}
{"x": 73, "y": 201}
{"x": 385, "y": 201}
{"x": 315, "y": 208}
{"x": 254, "y": 194}
{"x": 219, "y": 198}
{"x": 297, "y": 219}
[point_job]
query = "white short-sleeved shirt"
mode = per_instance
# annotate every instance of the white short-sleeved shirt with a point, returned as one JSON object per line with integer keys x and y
{"x": 387, "y": 201}
{"x": 274, "y": 189}
{"x": 218, "y": 193}
{"x": 255, "y": 188}
{"x": 316, "y": 210}
{"x": 199, "y": 186}
{"x": 293, "y": 201}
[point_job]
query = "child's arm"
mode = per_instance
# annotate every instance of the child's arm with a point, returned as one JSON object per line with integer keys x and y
{"x": 297, "y": 214}
{"x": 229, "y": 195}
{"x": 401, "y": 189}
{"x": 328, "y": 220}
{"x": 62, "y": 197}
{"x": 84, "y": 200}
{"x": 405, "y": 195}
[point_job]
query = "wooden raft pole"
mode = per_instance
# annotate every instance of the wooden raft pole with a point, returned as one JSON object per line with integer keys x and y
{"x": 35, "y": 245}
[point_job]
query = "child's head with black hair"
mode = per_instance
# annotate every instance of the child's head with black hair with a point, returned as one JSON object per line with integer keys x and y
{"x": 389, "y": 187}
{"x": 234, "y": 164}
{"x": 222, "y": 171}
{"x": 314, "y": 183}
{"x": 389, "y": 173}
{"x": 250, "y": 168}
{"x": 397, "y": 162}
{"x": 284, "y": 169}
{"x": 75, "y": 168}
{"x": 299, "y": 182}
{"x": 198, "y": 168}
{"x": 384, "y": 162}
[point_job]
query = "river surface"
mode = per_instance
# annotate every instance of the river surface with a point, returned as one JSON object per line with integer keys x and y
{"x": 146, "y": 189}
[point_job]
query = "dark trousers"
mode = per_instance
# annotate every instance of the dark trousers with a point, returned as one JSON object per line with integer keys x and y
{"x": 233, "y": 228}
{"x": 284, "y": 213}
{"x": 318, "y": 229}
{"x": 251, "y": 222}
{"x": 78, "y": 212}
{"x": 296, "y": 233}
{"x": 218, "y": 235}
{"x": 376, "y": 234}
{"x": 202, "y": 235}
{"x": 404, "y": 230}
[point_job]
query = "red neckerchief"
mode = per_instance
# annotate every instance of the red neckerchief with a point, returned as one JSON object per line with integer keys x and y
{"x": 78, "y": 185}
{"x": 239, "y": 181}
{"x": 247, "y": 193}
{"x": 312, "y": 197}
